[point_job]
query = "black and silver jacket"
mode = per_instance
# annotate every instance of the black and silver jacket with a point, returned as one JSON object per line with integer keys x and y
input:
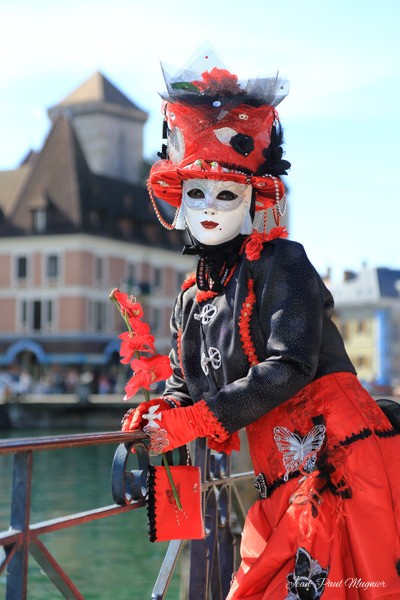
{"x": 259, "y": 341}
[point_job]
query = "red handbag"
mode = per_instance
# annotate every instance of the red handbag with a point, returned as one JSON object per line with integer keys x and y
{"x": 166, "y": 521}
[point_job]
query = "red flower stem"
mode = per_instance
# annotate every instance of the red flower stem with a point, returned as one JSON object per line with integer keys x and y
{"x": 123, "y": 314}
{"x": 171, "y": 481}
{"x": 145, "y": 391}
{"x": 164, "y": 458}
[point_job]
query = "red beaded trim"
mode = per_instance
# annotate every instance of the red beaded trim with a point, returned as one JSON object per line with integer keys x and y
{"x": 244, "y": 325}
{"x": 179, "y": 350}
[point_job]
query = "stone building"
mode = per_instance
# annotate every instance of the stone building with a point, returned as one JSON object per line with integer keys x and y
{"x": 367, "y": 310}
{"x": 75, "y": 222}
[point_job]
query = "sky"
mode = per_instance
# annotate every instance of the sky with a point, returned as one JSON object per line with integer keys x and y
{"x": 341, "y": 117}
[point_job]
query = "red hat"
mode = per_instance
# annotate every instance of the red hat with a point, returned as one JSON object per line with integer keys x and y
{"x": 217, "y": 127}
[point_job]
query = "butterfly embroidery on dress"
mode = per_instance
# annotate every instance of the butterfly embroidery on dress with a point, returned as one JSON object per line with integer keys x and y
{"x": 299, "y": 451}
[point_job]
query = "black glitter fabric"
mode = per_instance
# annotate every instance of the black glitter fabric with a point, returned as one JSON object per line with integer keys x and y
{"x": 291, "y": 329}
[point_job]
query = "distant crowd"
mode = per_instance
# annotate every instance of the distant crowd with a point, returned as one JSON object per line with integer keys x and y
{"x": 15, "y": 382}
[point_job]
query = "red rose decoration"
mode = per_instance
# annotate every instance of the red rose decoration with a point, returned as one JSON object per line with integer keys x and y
{"x": 217, "y": 80}
{"x": 255, "y": 242}
{"x": 254, "y": 245}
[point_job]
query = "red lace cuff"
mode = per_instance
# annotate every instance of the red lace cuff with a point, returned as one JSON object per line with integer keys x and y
{"x": 209, "y": 425}
{"x": 217, "y": 437}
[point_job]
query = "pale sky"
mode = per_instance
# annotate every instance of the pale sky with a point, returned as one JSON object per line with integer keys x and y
{"x": 341, "y": 117}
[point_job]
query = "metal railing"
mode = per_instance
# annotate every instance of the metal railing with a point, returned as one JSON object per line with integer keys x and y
{"x": 211, "y": 561}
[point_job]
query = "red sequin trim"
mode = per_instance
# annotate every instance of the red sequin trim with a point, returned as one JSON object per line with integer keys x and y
{"x": 244, "y": 325}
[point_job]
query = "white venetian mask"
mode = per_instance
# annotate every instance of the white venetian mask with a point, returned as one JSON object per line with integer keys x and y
{"x": 215, "y": 211}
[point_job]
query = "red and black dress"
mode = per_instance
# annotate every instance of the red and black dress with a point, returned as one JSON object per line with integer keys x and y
{"x": 265, "y": 354}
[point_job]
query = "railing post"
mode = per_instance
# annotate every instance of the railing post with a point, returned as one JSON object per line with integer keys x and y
{"x": 212, "y": 559}
{"x": 17, "y": 578}
{"x": 226, "y": 542}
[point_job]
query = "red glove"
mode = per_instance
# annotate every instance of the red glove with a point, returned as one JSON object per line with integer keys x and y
{"x": 142, "y": 415}
{"x": 183, "y": 425}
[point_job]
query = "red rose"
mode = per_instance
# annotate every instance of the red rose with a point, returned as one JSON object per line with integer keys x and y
{"x": 218, "y": 80}
{"x": 255, "y": 242}
{"x": 254, "y": 245}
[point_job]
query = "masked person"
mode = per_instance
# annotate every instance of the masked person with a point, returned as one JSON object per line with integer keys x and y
{"x": 254, "y": 347}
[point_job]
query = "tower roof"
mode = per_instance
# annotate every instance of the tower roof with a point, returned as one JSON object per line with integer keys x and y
{"x": 97, "y": 94}
{"x": 10, "y": 181}
{"x": 58, "y": 177}
{"x": 77, "y": 201}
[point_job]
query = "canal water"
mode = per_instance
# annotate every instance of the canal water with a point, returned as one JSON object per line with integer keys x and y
{"x": 109, "y": 559}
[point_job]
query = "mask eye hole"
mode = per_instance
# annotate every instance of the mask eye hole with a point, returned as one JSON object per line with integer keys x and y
{"x": 195, "y": 193}
{"x": 226, "y": 195}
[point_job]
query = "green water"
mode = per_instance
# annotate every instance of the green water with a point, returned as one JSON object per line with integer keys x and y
{"x": 109, "y": 559}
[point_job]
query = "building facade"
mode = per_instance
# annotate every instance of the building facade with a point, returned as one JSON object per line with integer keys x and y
{"x": 75, "y": 222}
{"x": 367, "y": 311}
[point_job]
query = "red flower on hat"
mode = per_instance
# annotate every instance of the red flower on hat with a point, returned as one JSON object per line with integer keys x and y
{"x": 218, "y": 80}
